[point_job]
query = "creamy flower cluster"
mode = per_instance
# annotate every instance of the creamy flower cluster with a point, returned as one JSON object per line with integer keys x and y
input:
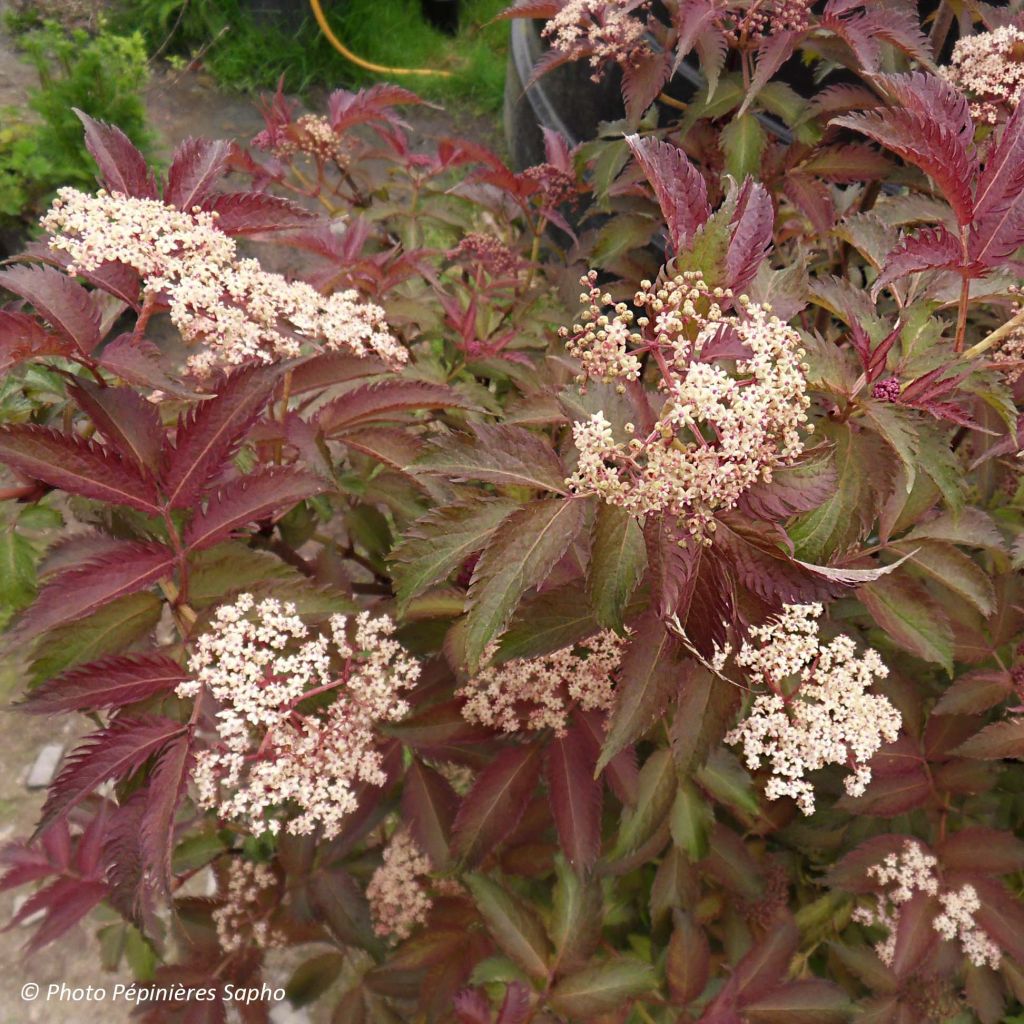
{"x": 239, "y": 311}
{"x": 912, "y": 871}
{"x": 603, "y": 30}
{"x": 989, "y": 67}
{"x": 539, "y": 693}
{"x": 725, "y": 423}
{"x": 398, "y": 898}
{"x": 819, "y": 710}
{"x": 261, "y": 664}
{"x": 241, "y": 920}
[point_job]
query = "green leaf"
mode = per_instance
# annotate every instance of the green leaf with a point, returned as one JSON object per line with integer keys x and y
{"x": 656, "y": 790}
{"x": 575, "y": 927}
{"x": 312, "y": 979}
{"x": 17, "y": 571}
{"x": 112, "y": 628}
{"x": 522, "y": 552}
{"x": 863, "y": 469}
{"x": 938, "y": 460}
{"x": 438, "y": 544}
{"x": 814, "y": 1001}
{"x": 743, "y": 142}
{"x": 548, "y": 622}
{"x": 505, "y": 455}
{"x": 512, "y": 924}
{"x": 728, "y": 782}
{"x": 913, "y": 621}
{"x": 601, "y": 988}
{"x": 690, "y": 820}
{"x": 953, "y": 569}
{"x": 897, "y": 427}
{"x": 618, "y": 558}
{"x": 620, "y": 235}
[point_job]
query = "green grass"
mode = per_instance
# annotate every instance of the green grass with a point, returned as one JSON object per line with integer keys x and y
{"x": 251, "y": 56}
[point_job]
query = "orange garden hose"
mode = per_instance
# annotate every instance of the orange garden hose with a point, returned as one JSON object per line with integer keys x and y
{"x": 321, "y": 20}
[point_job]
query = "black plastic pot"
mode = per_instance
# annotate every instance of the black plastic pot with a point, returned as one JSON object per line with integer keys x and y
{"x": 442, "y": 14}
{"x": 567, "y": 100}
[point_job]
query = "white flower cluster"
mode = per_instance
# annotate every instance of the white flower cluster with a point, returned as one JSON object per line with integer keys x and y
{"x": 399, "y": 901}
{"x": 260, "y": 664}
{"x": 989, "y": 67}
{"x": 241, "y": 920}
{"x": 538, "y": 693}
{"x": 604, "y": 30}
{"x": 912, "y": 871}
{"x": 240, "y": 311}
{"x": 726, "y": 421}
{"x": 819, "y": 710}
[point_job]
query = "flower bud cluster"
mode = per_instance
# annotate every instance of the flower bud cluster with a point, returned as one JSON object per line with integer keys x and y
{"x": 910, "y": 872}
{"x": 239, "y": 311}
{"x": 818, "y": 711}
{"x": 270, "y": 759}
{"x": 311, "y": 135}
{"x": 398, "y": 898}
{"x": 539, "y": 693}
{"x": 735, "y": 399}
{"x": 989, "y": 68}
{"x": 487, "y": 251}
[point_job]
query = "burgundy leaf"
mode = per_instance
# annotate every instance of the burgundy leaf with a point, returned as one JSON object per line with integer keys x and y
{"x": 164, "y": 792}
{"x": 678, "y": 186}
{"x": 930, "y": 249}
{"x": 139, "y": 361}
{"x": 197, "y": 165}
{"x": 915, "y": 936}
{"x": 642, "y": 81}
{"x": 69, "y": 462}
{"x": 929, "y": 144}
{"x": 60, "y": 300}
{"x": 772, "y": 52}
{"x": 767, "y": 963}
{"x": 1001, "y": 916}
{"x": 545, "y": 9}
{"x": 127, "y": 421}
{"x": 385, "y": 401}
{"x": 112, "y": 753}
{"x": 254, "y": 213}
{"x": 63, "y": 903}
{"x": 429, "y": 806}
{"x": 208, "y": 436}
{"x": 347, "y": 109}
{"x": 691, "y": 18}
{"x": 77, "y": 592}
{"x": 934, "y": 98}
{"x": 1002, "y": 177}
{"x": 751, "y": 238}
{"x": 23, "y": 863}
{"x": 515, "y": 1007}
{"x": 323, "y": 371}
{"x": 471, "y": 1007}
{"x": 575, "y": 795}
{"x": 122, "y": 167}
{"x": 491, "y": 810}
{"x": 108, "y": 683}
{"x": 248, "y": 500}
{"x": 982, "y": 849}
{"x": 647, "y": 678}
{"x": 22, "y": 337}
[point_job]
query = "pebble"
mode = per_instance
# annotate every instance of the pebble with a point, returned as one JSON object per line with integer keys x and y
{"x": 44, "y": 769}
